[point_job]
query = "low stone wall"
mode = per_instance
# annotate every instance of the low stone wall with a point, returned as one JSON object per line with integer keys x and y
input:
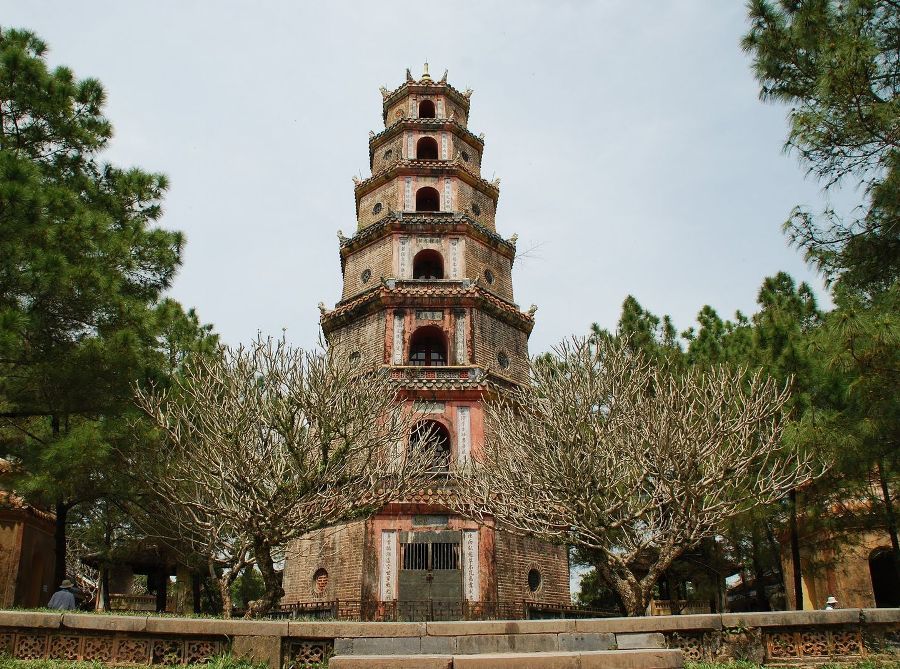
{"x": 802, "y": 637}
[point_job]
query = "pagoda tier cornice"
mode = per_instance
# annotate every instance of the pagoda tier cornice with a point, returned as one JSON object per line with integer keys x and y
{"x": 423, "y": 87}
{"x": 401, "y": 168}
{"x": 412, "y": 293}
{"x": 375, "y": 141}
{"x": 442, "y": 222}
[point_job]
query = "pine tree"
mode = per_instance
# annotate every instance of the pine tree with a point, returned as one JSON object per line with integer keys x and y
{"x": 81, "y": 272}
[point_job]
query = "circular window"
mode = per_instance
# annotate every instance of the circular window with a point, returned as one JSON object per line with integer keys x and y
{"x": 388, "y": 154}
{"x": 476, "y": 209}
{"x": 534, "y": 580}
{"x": 354, "y": 358}
{"x": 489, "y": 276}
{"x": 365, "y": 276}
{"x": 465, "y": 156}
{"x": 503, "y": 360}
{"x": 320, "y": 580}
{"x": 377, "y": 208}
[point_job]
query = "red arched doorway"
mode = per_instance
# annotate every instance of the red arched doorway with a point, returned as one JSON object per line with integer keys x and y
{"x": 428, "y": 264}
{"x": 427, "y": 199}
{"x": 426, "y": 149}
{"x": 428, "y": 347}
{"x": 435, "y": 437}
{"x": 426, "y": 109}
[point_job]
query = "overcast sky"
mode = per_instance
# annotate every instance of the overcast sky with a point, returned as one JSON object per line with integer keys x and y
{"x": 634, "y": 153}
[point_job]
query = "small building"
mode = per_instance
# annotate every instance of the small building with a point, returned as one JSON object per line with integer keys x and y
{"x": 26, "y": 553}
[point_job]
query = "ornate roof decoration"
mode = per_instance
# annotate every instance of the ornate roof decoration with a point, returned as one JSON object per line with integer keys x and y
{"x": 436, "y": 123}
{"x": 491, "y": 188}
{"x": 400, "y": 220}
{"x": 423, "y": 86}
{"x": 411, "y": 291}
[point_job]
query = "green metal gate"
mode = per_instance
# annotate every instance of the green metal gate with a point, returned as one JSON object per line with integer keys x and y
{"x": 430, "y": 576}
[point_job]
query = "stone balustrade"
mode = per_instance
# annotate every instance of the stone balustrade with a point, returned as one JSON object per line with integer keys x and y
{"x": 801, "y": 637}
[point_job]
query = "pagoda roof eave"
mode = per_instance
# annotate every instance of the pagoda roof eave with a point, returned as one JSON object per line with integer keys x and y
{"x": 392, "y": 293}
{"x": 398, "y": 221}
{"x": 405, "y": 123}
{"x": 427, "y": 87}
{"x": 406, "y": 167}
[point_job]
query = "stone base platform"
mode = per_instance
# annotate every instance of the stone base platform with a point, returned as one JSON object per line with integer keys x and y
{"x": 516, "y": 650}
{"x": 598, "y": 659}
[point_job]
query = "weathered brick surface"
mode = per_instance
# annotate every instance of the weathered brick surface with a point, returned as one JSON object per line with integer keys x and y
{"x": 365, "y": 336}
{"x": 389, "y": 195}
{"x": 467, "y": 196}
{"x": 377, "y": 257}
{"x": 339, "y": 551}
{"x": 519, "y": 555}
{"x": 460, "y": 146}
{"x": 491, "y": 337}
{"x": 387, "y": 154}
{"x": 480, "y": 258}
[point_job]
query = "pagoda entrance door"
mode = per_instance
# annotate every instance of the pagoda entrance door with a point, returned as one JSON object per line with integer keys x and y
{"x": 430, "y": 578}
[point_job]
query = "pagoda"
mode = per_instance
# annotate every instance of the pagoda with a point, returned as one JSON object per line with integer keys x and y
{"x": 428, "y": 297}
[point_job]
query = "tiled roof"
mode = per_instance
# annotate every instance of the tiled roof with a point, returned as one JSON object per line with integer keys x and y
{"x": 454, "y": 164}
{"x": 390, "y": 97}
{"x": 418, "y": 289}
{"x": 427, "y": 122}
{"x": 423, "y": 218}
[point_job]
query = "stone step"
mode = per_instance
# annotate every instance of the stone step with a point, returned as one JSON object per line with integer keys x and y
{"x": 471, "y": 644}
{"x": 595, "y": 659}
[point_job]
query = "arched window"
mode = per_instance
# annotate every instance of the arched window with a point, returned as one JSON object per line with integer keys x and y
{"x": 885, "y": 580}
{"x": 433, "y": 436}
{"x": 426, "y": 149}
{"x": 427, "y": 199}
{"x": 428, "y": 347}
{"x": 428, "y": 264}
{"x": 426, "y": 109}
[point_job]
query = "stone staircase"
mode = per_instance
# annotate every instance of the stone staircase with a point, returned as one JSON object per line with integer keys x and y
{"x": 551, "y": 644}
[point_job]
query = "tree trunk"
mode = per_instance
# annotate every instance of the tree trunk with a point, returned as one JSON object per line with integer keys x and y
{"x": 224, "y": 583}
{"x": 59, "y": 543}
{"x": 195, "y": 591}
{"x": 889, "y": 515}
{"x": 634, "y": 597}
{"x": 104, "y": 589}
{"x": 795, "y": 553}
{"x": 762, "y": 602}
{"x": 162, "y": 589}
{"x": 274, "y": 592}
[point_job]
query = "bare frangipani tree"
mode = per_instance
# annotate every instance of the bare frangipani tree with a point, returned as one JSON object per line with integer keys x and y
{"x": 266, "y": 443}
{"x": 633, "y": 461}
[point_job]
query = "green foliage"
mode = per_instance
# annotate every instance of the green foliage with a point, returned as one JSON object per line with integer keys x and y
{"x": 82, "y": 272}
{"x": 247, "y": 587}
{"x": 837, "y": 65}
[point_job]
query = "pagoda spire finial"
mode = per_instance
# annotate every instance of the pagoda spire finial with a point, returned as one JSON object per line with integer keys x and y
{"x": 425, "y": 75}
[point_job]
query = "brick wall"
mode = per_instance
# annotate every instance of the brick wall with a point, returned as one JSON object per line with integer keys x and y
{"x": 474, "y": 154}
{"x": 381, "y": 159}
{"x": 480, "y": 258}
{"x": 390, "y": 195}
{"x": 400, "y": 109}
{"x": 493, "y": 336}
{"x": 377, "y": 258}
{"x": 466, "y": 197}
{"x": 338, "y": 550}
{"x": 365, "y": 335}
{"x": 516, "y": 556}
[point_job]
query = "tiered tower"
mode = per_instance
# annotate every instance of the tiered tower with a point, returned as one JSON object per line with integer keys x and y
{"x": 428, "y": 295}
